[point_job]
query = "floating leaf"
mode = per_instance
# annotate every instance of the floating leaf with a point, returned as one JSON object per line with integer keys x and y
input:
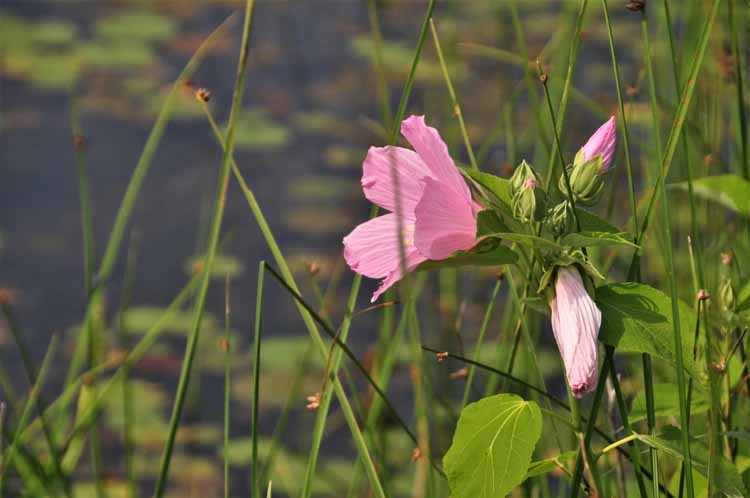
{"x": 730, "y": 191}
{"x": 139, "y": 319}
{"x": 637, "y": 318}
{"x": 593, "y": 239}
{"x": 134, "y": 25}
{"x": 666, "y": 403}
{"x": 727, "y": 479}
{"x": 224, "y": 265}
{"x": 255, "y": 130}
{"x": 492, "y": 446}
{"x": 320, "y": 187}
{"x": 115, "y": 54}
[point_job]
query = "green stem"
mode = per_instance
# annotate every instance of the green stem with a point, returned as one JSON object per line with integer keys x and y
{"x": 219, "y": 204}
{"x": 454, "y": 100}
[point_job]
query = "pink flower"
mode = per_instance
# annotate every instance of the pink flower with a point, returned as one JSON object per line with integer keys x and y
{"x": 602, "y": 142}
{"x": 438, "y": 216}
{"x": 575, "y": 323}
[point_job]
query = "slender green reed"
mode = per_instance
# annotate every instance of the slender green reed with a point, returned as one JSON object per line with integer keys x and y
{"x": 132, "y": 192}
{"x": 31, "y": 401}
{"x": 480, "y": 340}
{"x": 742, "y": 123}
{"x": 563, "y": 106}
{"x": 454, "y": 100}
{"x": 623, "y": 116}
{"x": 258, "y": 327}
{"x": 307, "y": 318}
{"x": 33, "y": 377}
{"x": 227, "y": 347}
{"x": 384, "y": 93}
{"x": 219, "y": 204}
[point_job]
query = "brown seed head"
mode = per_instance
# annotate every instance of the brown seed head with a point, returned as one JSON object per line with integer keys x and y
{"x": 198, "y": 266}
{"x": 441, "y": 357}
{"x": 703, "y": 295}
{"x": 313, "y": 402}
{"x": 79, "y": 142}
{"x": 202, "y": 95}
{"x": 224, "y": 344}
{"x": 416, "y": 454}
{"x": 543, "y": 78}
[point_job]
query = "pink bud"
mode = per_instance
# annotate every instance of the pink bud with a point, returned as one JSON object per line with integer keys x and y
{"x": 602, "y": 142}
{"x": 575, "y": 323}
{"x": 529, "y": 183}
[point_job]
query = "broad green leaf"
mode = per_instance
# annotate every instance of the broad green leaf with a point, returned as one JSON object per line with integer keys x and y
{"x": 541, "y": 467}
{"x": 637, "y": 318}
{"x": 499, "y": 187}
{"x": 727, "y": 479}
{"x": 590, "y": 239}
{"x": 528, "y": 240}
{"x": 666, "y": 403}
{"x": 495, "y": 256}
{"x": 492, "y": 446}
{"x": 592, "y": 223}
{"x": 730, "y": 191}
{"x": 489, "y": 222}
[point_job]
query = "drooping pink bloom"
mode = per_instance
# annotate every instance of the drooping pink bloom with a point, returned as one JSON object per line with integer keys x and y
{"x": 602, "y": 142}
{"x": 575, "y": 323}
{"x": 438, "y": 216}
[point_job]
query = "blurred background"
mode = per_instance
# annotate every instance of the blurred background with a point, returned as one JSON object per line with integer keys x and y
{"x": 314, "y": 103}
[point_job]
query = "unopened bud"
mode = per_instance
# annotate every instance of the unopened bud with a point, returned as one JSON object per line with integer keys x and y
{"x": 726, "y": 258}
{"x": 727, "y": 295}
{"x": 528, "y": 202}
{"x": 560, "y": 219}
{"x": 703, "y": 295}
{"x": 586, "y": 182}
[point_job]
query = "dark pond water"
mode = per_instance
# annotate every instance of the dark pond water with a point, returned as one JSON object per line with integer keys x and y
{"x": 311, "y": 111}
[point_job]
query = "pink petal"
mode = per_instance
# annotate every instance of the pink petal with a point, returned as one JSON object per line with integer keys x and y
{"x": 445, "y": 221}
{"x": 371, "y": 249}
{"x": 603, "y": 142}
{"x": 433, "y": 151}
{"x": 575, "y": 323}
{"x": 377, "y": 177}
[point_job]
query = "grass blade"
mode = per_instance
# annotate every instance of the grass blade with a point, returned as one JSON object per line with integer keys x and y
{"x": 219, "y": 204}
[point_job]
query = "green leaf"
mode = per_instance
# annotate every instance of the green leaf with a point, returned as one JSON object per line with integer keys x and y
{"x": 743, "y": 294}
{"x": 592, "y": 223}
{"x": 492, "y": 446}
{"x": 590, "y": 239}
{"x": 489, "y": 222}
{"x": 727, "y": 479}
{"x": 494, "y": 256}
{"x": 547, "y": 465}
{"x": 637, "y": 318}
{"x": 731, "y": 191}
{"x": 666, "y": 403}
{"x": 499, "y": 187}
{"x": 527, "y": 240}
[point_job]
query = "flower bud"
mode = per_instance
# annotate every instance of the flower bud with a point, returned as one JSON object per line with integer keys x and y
{"x": 602, "y": 143}
{"x": 727, "y": 295}
{"x": 521, "y": 175}
{"x": 529, "y": 203}
{"x": 586, "y": 182}
{"x": 560, "y": 219}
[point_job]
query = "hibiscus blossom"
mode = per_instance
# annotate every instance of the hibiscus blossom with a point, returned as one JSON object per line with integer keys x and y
{"x": 438, "y": 215}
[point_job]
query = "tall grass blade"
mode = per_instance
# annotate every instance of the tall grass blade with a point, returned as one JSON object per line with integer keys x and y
{"x": 218, "y": 214}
